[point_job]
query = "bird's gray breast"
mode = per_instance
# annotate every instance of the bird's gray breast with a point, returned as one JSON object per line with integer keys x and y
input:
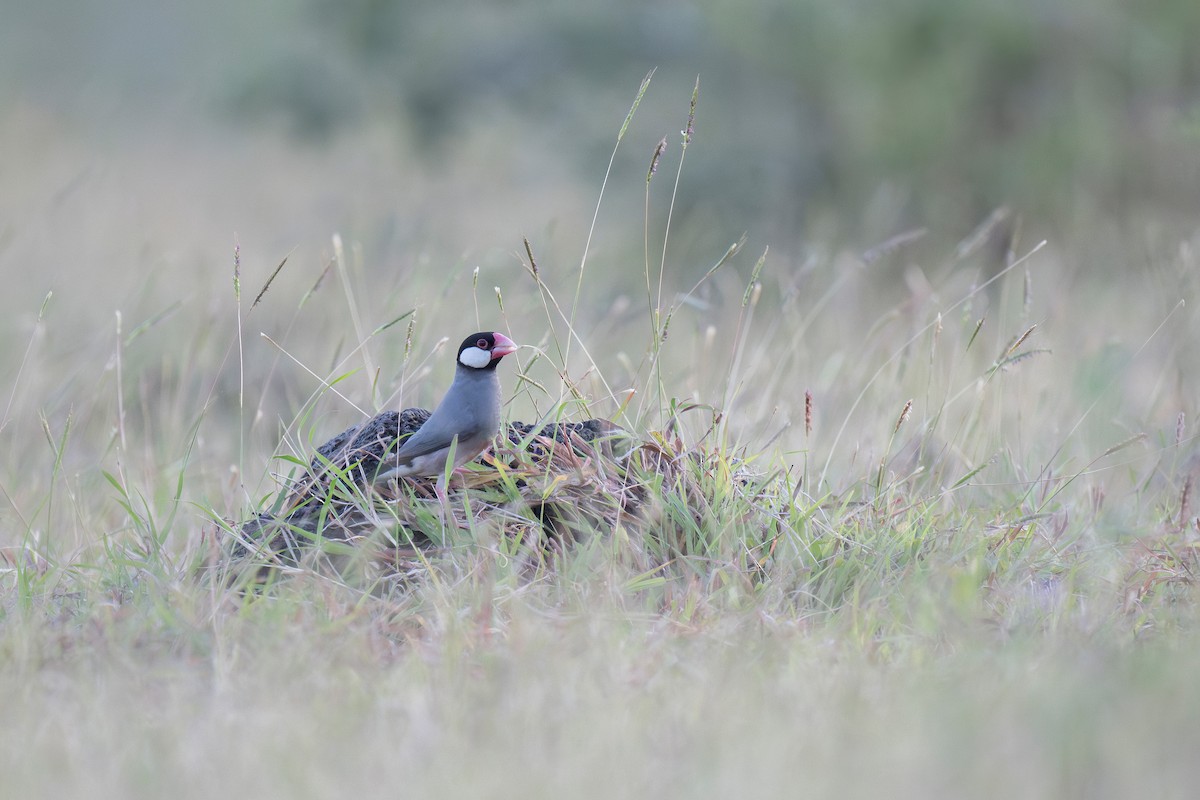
{"x": 471, "y": 408}
{"x": 470, "y": 411}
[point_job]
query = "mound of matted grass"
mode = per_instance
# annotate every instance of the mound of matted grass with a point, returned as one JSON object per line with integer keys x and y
{"x": 540, "y": 489}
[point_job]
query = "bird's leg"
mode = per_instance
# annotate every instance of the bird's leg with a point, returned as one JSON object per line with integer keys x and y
{"x": 439, "y": 489}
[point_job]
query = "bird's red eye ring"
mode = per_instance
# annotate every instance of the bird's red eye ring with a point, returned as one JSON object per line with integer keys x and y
{"x": 482, "y": 344}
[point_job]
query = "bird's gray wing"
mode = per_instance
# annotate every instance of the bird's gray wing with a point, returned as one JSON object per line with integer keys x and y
{"x": 413, "y": 449}
{"x": 417, "y": 445}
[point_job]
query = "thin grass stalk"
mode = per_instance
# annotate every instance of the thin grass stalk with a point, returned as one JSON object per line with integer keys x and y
{"x": 599, "y": 201}
{"x": 902, "y": 348}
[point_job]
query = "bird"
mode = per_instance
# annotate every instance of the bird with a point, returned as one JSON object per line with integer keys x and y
{"x": 465, "y": 421}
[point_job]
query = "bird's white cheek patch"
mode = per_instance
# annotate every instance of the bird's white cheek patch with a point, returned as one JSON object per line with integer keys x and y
{"x": 474, "y": 357}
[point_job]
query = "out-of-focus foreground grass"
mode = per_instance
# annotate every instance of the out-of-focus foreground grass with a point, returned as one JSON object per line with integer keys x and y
{"x": 979, "y": 574}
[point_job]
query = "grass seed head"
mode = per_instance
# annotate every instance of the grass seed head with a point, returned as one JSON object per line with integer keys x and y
{"x": 808, "y": 412}
{"x": 658, "y": 153}
{"x": 903, "y": 415}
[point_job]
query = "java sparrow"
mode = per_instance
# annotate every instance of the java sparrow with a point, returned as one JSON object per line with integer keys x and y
{"x": 464, "y": 422}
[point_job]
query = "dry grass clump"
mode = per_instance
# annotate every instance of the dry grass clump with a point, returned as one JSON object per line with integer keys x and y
{"x": 540, "y": 490}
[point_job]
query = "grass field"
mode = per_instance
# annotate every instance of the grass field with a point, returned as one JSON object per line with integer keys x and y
{"x": 936, "y": 536}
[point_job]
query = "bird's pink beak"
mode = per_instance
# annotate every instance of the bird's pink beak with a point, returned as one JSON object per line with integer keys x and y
{"x": 503, "y": 346}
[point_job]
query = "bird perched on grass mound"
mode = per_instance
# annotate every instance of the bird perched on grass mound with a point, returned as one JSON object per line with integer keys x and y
{"x": 463, "y": 424}
{"x": 414, "y": 443}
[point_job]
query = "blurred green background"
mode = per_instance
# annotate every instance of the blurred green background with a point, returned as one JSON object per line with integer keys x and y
{"x": 851, "y": 120}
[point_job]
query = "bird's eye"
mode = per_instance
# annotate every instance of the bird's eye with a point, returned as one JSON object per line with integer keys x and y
{"x": 482, "y": 344}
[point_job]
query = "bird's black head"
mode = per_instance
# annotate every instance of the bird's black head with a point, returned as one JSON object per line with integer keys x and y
{"x": 484, "y": 350}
